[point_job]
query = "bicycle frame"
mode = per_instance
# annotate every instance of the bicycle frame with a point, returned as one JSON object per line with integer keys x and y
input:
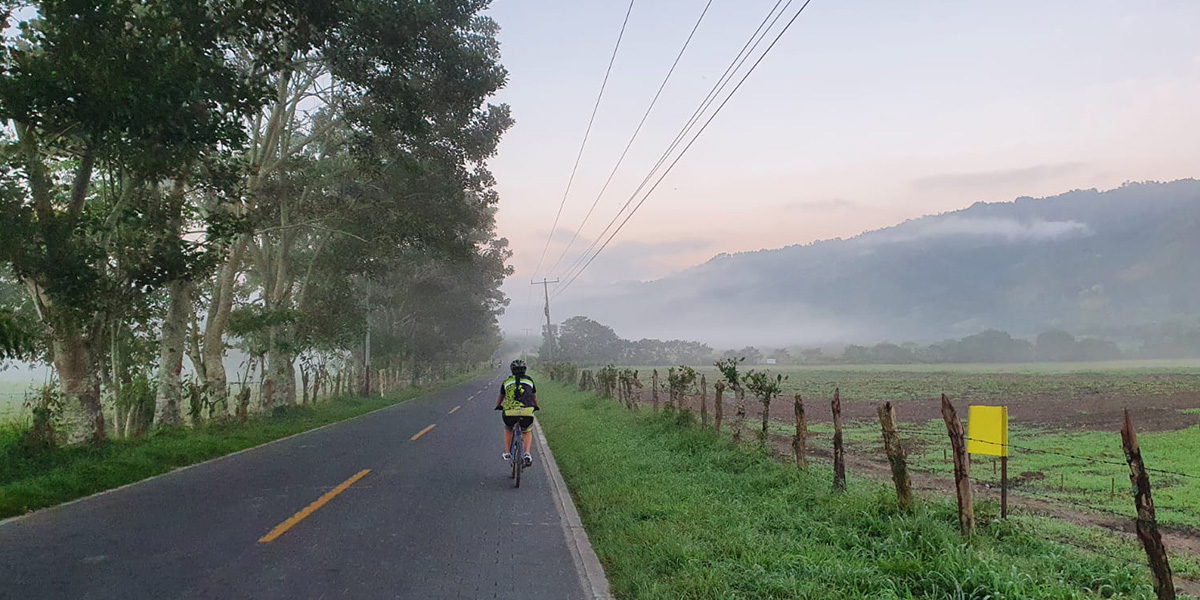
{"x": 517, "y": 452}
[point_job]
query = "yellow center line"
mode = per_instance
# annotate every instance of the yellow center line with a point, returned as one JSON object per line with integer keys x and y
{"x": 454, "y": 409}
{"x": 311, "y": 508}
{"x": 422, "y": 432}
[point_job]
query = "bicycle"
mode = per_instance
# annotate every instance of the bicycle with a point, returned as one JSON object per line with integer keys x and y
{"x": 516, "y": 454}
{"x": 516, "y": 451}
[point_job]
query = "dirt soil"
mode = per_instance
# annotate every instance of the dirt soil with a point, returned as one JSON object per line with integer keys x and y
{"x": 1099, "y": 412}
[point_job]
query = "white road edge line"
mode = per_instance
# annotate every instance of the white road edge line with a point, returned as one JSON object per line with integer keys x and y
{"x": 587, "y": 564}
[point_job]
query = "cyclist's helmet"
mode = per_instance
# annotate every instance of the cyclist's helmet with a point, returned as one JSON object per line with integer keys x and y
{"x": 518, "y": 367}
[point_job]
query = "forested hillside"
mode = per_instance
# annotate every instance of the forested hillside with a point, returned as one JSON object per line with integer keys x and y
{"x": 1089, "y": 262}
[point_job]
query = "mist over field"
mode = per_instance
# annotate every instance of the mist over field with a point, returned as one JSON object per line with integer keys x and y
{"x": 1101, "y": 263}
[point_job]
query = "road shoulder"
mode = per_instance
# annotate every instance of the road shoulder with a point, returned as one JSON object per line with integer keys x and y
{"x": 587, "y": 564}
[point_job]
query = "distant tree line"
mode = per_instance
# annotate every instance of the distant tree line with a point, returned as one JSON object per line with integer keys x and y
{"x": 585, "y": 342}
{"x": 991, "y": 346}
{"x": 582, "y": 341}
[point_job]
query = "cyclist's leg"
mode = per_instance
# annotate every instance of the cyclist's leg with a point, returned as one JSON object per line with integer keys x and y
{"x": 527, "y": 432}
{"x": 508, "y": 434}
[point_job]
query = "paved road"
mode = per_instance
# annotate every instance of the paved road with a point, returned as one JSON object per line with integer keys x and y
{"x": 437, "y": 517}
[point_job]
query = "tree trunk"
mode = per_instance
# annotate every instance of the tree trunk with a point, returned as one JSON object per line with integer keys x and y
{"x": 169, "y": 399}
{"x": 304, "y": 376}
{"x": 766, "y": 402}
{"x": 215, "y": 381}
{"x": 81, "y": 387}
{"x": 281, "y": 380}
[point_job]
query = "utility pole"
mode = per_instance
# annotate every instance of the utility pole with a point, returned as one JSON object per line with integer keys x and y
{"x": 545, "y": 283}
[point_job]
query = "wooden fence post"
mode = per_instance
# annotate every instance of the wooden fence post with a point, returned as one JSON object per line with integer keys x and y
{"x": 962, "y": 467}
{"x": 839, "y": 453}
{"x": 654, "y": 389}
{"x": 703, "y": 403}
{"x": 718, "y": 404}
{"x": 800, "y": 442}
{"x": 1147, "y": 523}
{"x": 896, "y": 455}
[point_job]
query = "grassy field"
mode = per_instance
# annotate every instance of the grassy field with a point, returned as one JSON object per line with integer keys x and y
{"x": 1047, "y": 380}
{"x": 29, "y": 481}
{"x": 12, "y": 399}
{"x": 1080, "y": 470}
{"x": 678, "y": 513}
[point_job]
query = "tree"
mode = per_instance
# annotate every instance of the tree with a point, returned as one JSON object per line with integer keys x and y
{"x": 145, "y": 96}
{"x": 1056, "y": 346}
{"x": 287, "y": 171}
{"x": 586, "y": 342}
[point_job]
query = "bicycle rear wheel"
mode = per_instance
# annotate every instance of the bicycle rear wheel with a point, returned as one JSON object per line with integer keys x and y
{"x": 515, "y": 452}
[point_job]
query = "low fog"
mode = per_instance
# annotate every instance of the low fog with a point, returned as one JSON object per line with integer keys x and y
{"x": 1112, "y": 265}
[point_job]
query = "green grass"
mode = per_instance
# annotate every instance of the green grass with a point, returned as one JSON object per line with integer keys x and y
{"x": 1191, "y": 411}
{"x": 29, "y": 481}
{"x": 676, "y": 513}
{"x": 1040, "y": 466}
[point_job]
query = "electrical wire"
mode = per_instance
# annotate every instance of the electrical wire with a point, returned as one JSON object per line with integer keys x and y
{"x": 587, "y": 132}
{"x": 739, "y": 59}
{"x": 690, "y": 143}
{"x": 636, "y": 131}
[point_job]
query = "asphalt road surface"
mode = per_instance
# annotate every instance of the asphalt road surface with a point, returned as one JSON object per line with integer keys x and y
{"x": 435, "y": 517}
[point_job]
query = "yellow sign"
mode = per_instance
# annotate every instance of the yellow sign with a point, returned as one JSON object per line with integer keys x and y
{"x": 987, "y": 430}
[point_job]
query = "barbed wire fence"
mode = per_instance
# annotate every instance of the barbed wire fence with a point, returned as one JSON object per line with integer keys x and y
{"x": 1035, "y": 484}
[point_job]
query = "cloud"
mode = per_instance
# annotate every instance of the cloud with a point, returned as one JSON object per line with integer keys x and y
{"x": 1009, "y": 230}
{"x": 1024, "y": 177}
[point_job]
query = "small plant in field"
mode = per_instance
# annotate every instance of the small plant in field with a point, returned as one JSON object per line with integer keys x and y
{"x": 606, "y": 381}
{"x": 679, "y": 381}
{"x": 46, "y": 406}
{"x": 729, "y": 369}
{"x": 765, "y": 388}
{"x": 628, "y": 382}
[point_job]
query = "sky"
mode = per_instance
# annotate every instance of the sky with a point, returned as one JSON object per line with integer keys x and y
{"x": 866, "y": 113}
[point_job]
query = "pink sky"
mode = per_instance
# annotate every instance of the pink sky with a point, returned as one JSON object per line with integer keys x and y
{"x": 867, "y": 113}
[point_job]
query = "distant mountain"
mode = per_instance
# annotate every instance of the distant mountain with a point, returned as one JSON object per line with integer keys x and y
{"x": 1085, "y": 261}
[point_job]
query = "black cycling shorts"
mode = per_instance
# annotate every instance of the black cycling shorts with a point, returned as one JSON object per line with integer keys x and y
{"x": 526, "y": 422}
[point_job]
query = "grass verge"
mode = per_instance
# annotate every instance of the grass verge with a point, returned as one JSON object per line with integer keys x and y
{"x": 29, "y": 481}
{"x": 678, "y": 513}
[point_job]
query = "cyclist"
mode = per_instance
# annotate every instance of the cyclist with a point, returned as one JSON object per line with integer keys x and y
{"x": 518, "y": 400}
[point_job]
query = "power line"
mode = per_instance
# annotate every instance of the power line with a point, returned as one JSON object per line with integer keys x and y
{"x": 738, "y": 60}
{"x": 586, "y": 133}
{"x": 636, "y": 131}
{"x": 689, "y": 145}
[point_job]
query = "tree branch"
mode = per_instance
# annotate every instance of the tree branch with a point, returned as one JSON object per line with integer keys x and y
{"x": 83, "y": 182}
